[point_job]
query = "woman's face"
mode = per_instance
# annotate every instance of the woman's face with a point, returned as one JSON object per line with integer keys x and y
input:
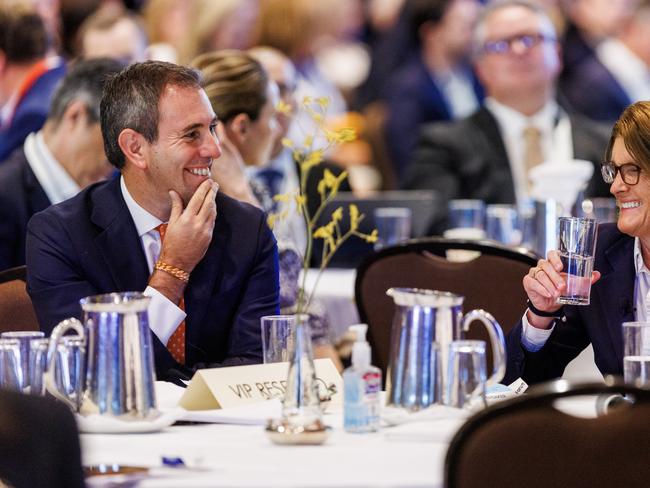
{"x": 633, "y": 201}
{"x": 263, "y": 131}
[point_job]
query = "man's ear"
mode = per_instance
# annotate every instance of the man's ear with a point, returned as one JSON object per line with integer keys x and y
{"x": 134, "y": 146}
{"x": 238, "y": 129}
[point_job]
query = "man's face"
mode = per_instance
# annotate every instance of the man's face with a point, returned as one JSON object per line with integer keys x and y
{"x": 89, "y": 154}
{"x": 181, "y": 158}
{"x": 522, "y": 56}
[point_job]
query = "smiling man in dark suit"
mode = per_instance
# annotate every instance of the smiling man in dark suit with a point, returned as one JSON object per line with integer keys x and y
{"x": 210, "y": 277}
{"x": 487, "y": 155}
{"x": 59, "y": 160}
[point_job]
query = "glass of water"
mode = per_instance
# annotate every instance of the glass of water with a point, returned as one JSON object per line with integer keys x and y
{"x": 636, "y": 353}
{"x": 576, "y": 245}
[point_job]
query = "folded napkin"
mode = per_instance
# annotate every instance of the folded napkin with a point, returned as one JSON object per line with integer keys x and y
{"x": 560, "y": 181}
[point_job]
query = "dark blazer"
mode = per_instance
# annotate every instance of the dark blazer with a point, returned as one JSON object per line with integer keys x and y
{"x": 604, "y": 100}
{"x": 21, "y": 196}
{"x": 31, "y": 111}
{"x": 599, "y": 323}
{"x": 89, "y": 245}
{"x": 39, "y": 445}
{"x": 467, "y": 158}
{"x": 413, "y": 98}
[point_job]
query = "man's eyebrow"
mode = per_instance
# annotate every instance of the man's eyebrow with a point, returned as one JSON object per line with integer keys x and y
{"x": 199, "y": 125}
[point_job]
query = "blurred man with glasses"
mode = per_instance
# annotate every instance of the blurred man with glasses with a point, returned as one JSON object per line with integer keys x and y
{"x": 489, "y": 154}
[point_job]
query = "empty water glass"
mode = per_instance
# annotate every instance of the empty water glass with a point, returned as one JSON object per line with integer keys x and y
{"x": 393, "y": 226}
{"x": 37, "y": 365}
{"x": 277, "y": 337}
{"x": 636, "y": 353}
{"x": 11, "y": 374}
{"x": 24, "y": 338}
{"x": 464, "y": 214}
{"x": 70, "y": 368}
{"x": 501, "y": 224}
{"x": 466, "y": 375}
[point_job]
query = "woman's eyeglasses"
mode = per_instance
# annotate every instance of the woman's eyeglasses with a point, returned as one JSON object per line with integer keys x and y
{"x": 629, "y": 172}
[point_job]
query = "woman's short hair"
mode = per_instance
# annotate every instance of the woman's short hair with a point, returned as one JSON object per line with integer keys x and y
{"x": 634, "y": 127}
{"x": 235, "y": 83}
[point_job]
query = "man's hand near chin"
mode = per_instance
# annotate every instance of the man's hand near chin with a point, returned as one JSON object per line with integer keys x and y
{"x": 188, "y": 235}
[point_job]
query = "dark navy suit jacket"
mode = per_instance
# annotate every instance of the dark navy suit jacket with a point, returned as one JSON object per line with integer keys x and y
{"x": 599, "y": 323}
{"x": 21, "y": 196}
{"x": 413, "y": 99}
{"x": 89, "y": 245}
{"x": 31, "y": 111}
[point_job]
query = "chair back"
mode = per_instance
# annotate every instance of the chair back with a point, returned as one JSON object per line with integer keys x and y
{"x": 492, "y": 281}
{"x": 527, "y": 442}
{"x": 16, "y": 310}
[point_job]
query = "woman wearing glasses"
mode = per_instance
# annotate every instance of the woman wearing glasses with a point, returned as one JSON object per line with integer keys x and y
{"x": 549, "y": 335}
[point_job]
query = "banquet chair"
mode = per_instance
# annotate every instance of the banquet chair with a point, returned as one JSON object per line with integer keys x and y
{"x": 527, "y": 442}
{"x": 492, "y": 281}
{"x": 39, "y": 443}
{"x": 16, "y": 310}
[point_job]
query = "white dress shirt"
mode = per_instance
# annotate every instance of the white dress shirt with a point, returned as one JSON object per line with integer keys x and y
{"x": 164, "y": 315}
{"x": 556, "y": 141}
{"x": 56, "y": 182}
{"x": 533, "y": 339}
{"x": 626, "y": 67}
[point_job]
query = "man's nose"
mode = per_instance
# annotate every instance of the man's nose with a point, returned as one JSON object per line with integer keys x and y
{"x": 212, "y": 147}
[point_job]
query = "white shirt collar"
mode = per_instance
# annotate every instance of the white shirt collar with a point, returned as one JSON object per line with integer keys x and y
{"x": 639, "y": 265}
{"x": 56, "y": 182}
{"x": 144, "y": 221}
{"x": 512, "y": 121}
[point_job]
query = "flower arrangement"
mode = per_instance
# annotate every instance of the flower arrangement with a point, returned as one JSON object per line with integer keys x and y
{"x": 308, "y": 155}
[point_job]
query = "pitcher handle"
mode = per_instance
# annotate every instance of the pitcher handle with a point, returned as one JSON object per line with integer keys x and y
{"x": 55, "y": 339}
{"x": 496, "y": 337}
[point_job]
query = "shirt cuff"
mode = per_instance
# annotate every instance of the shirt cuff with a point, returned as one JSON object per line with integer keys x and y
{"x": 164, "y": 315}
{"x": 532, "y": 338}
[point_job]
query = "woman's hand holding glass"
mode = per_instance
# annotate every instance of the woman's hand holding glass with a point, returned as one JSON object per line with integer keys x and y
{"x": 544, "y": 284}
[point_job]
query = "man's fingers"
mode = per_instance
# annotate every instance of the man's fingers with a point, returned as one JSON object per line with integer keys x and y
{"x": 196, "y": 202}
{"x": 595, "y": 276}
{"x": 209, "y": 208}
{"x": 177, "y": 206}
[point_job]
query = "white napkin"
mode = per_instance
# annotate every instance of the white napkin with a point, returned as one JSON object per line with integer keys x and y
{"x": 560, "y": 181}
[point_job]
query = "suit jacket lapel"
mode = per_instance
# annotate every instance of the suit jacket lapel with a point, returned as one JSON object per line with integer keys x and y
{"x": 203, "y": 280}
{"x": 616, "y": 288}
{"x": 119, "y": 242}
{"x": 35, "y": 195}
{"x": 496, "y": 156}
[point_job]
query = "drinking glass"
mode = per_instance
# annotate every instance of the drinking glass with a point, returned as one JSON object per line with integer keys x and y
{"x": 636, "y": 353}
{"x": 24, "y": 337}
{"x": 37, "y": 365}
{"x": 466, "y": 375}
{"x": 501, "y": 224}
{"x": 393, "y": 226}
{"x": 70, "y": 368}
{"x": 277, "y": 337}
{"x": 11, "y": 373}
{"x": 576, "y": 245}
{"x": 464, "y": 214}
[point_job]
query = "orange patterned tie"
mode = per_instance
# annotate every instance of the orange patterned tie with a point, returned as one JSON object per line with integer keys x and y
{"x": 176, "y": 343}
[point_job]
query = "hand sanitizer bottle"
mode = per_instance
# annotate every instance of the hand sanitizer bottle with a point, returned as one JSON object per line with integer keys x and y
{"x": 362, "y": 386}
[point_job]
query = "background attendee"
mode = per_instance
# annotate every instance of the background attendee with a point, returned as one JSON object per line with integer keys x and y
{"x": 550, "y": 335}
{"x": 167, "y": 23}
{"x": 226, "y": 24}
{"x": 210, "y": 278}
{"x": 27, "y": 75}
{"x": 603, "y": 85}
{"x": 66, "y": 155}
{"x": 115, "y": 33}
{"x": 438, "y": 84}
{"x": 487, "y": 156}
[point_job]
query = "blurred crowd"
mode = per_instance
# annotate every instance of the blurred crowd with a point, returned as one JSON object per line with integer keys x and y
{"x": 389, "y": 67}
